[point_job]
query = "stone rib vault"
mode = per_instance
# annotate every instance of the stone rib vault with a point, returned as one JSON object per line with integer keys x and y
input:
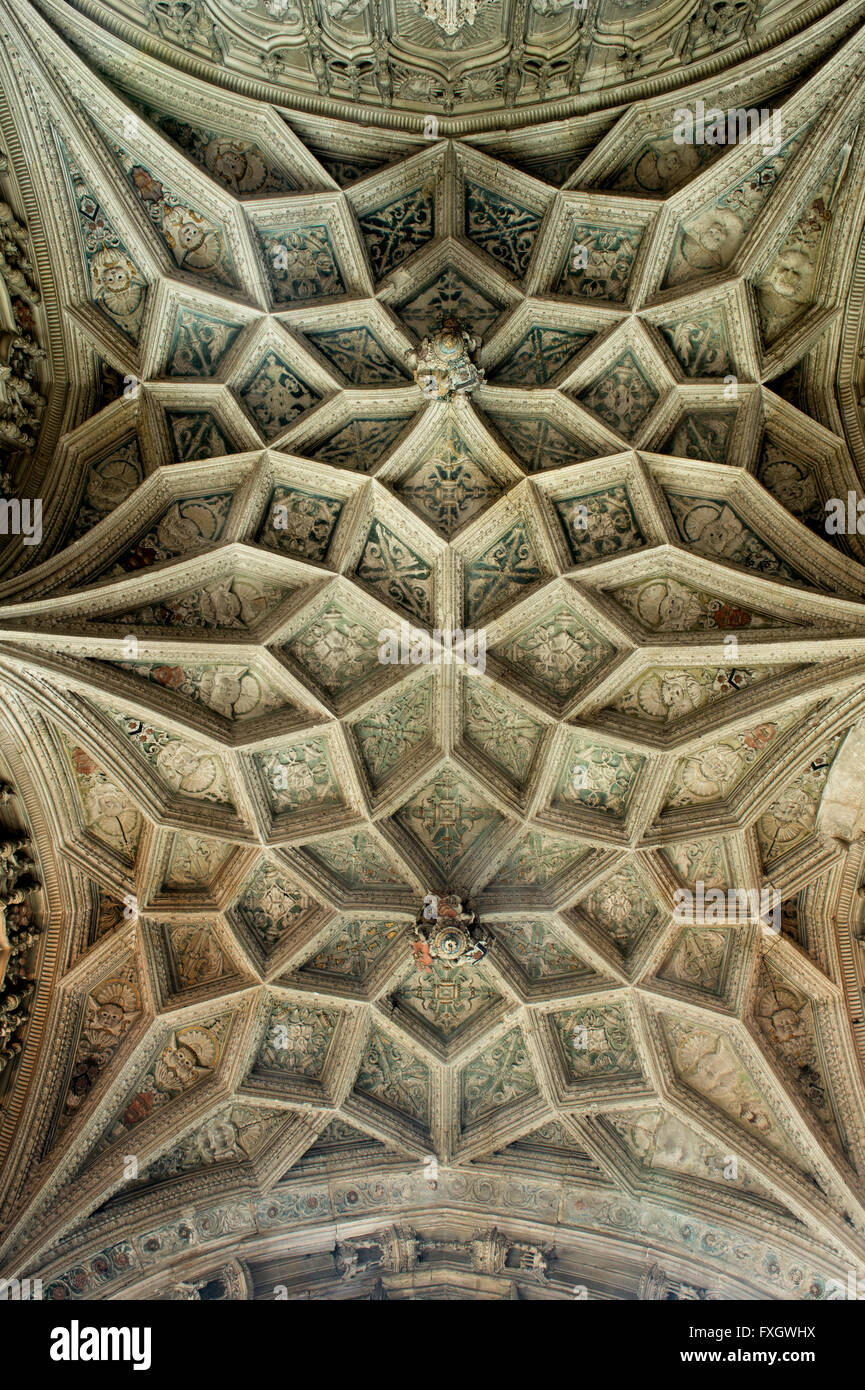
{"x": 233, "y": 1079}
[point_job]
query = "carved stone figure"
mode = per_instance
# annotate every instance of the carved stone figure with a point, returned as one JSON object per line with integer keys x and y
{"x": 394, "y": 1250}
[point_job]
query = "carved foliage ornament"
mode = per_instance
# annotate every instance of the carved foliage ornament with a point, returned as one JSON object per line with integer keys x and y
{"x": 21, "y": 403}
{"x": 451, "y": 15}
{"x": 19, "y": 934}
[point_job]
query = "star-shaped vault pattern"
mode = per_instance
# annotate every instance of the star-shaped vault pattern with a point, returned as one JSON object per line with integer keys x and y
{"x": 244, "y": 804}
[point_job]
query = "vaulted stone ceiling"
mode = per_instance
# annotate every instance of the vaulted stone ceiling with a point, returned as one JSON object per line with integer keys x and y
{"x": 233, "y": 1063}
{"x": 387, "y": 60}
